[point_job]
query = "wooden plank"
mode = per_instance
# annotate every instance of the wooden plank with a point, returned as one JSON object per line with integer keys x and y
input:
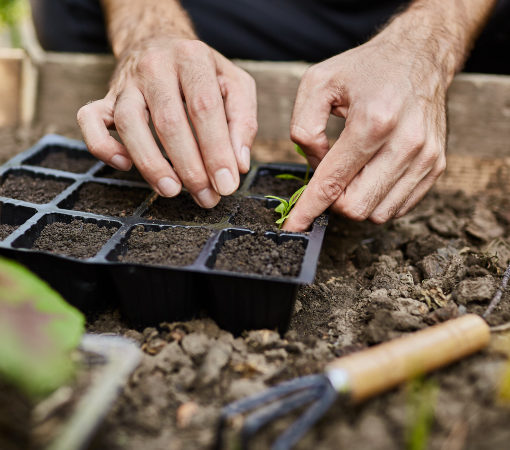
{"x": 11, "y": 68}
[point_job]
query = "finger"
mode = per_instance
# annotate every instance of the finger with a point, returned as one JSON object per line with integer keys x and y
{"x": 163, "y": 97}
{"x": 413, "y": 185}
{"x": 94, "y": 120}
{"x": 373, "y": 183}
{"x": 241, "y": 111}
{"x": 312, "y": 109}
{"x": 200, "y": 87}
{"x": 130, "y": 117}
{"x": 350, "y": 153}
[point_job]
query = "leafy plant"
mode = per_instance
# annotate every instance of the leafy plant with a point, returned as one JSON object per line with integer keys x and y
{"x": 38, "y": 331}
{"x": 421, "y": 401}
{"x": 289, "y": 176}
{"x": 285, "y": 206}
{"x": 11, "y": 14}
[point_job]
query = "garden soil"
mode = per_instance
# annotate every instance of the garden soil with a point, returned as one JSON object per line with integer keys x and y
{"x": 374, "y": 283}
{"x": 31, "y": 189}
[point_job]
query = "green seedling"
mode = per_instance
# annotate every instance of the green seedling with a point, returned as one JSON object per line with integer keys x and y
{"x": 285, "y": 206}
{"x": 38, "y": 332}
{"x": 12, "y": 12}
{"x": 289, "y": 176}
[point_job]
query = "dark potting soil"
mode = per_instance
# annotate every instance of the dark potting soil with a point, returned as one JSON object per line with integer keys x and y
{"x": 6, "y": 230}
{"x": 130, "y": 175}
{"x": 183, "y": 209}
{"x": 15, "y": 412}
{"x": 169, "y": 247}
{"x": 61, "y": 160}
{"x": 268, "y": 184}
{"x": 261, "y": 255}
{"x": 252, "y": 213}
{"x": 77, "y": 239}
{"x": 109, "y": 200}
{"x": 31, "y": 189}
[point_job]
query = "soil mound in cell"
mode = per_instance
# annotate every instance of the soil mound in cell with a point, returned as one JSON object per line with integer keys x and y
{"x": 253, "y": 214}
{"x": 61, "y": 160}
{"x": 109, "y": 200}
{"x": 130, "y": 175}
{"x": 5, "y": 230}
{"x": 183, "y": 209}
{"x": 169, "y": 247}
{"x": 268, "y": 184}
{"x": 261, "y": 255}
{"x": 77, "y": 239}
{"x": 31, "y": 189}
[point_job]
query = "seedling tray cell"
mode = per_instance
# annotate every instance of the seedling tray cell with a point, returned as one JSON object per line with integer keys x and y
{"x": 119, "y": 220}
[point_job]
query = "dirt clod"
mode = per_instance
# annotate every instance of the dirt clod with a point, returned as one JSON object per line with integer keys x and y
{"x": 77, "y": 162}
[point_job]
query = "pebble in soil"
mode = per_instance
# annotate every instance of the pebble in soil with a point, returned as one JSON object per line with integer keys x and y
{"x": 253, "y": 214}
{"x": 67, "y": 160}
{"x": 77, "y": 239}
{"x": 268, "y": 184}
{"x": 256, "y": 253}
{"x": 109, "y": 200}
{"x": 31, "y": 188}
{"x": 130, "y": 175}
{"x": 183, "y": 209}
{"x": 373, "y": 284}
{"x": 169, "y": 247}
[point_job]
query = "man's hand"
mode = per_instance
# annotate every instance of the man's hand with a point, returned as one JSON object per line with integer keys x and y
{"x": 392, "y": 93}
{"x": 155, "y": 74}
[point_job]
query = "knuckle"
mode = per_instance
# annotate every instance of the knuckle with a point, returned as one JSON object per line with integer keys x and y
{"x": 302, "y": 136}
{"x": 251, "y": 126}
{"x": 329, "y": 189}
{"x": 82, "y": 114}
{"x": 429, "y": 157}
{"x": 97, "y": 148}
{"x": 440, "y": 167}
{"x": 150, "y": 62}
{"x": 168, "y": 121}
{"x": 203, "y": 103}
{"x": 380, "y": 120}
{"x": 191, "y": 48}
{"x": 315, "y": 74}
{"x": 193, "y": 178}
{"x": 415, "y": 141}
{"x": 122, "y": 121}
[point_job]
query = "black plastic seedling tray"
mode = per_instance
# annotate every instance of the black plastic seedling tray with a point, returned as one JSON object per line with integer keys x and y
{"x": 147, "y": 294}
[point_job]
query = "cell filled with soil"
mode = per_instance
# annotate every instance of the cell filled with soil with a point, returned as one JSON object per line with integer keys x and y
{"x": 11, "y": 217}
{"x": 65, "y": 159}
{"x": 256, "y": 214}
{"x": 106, "y": 199}
{"x": 183, "y": 209}
{"x": 31, "y": 187}
{"x": 130, "y": 175}
{"x": 267, "y": 183}
{"x": 256, "y": 253}
{"x": 172, "y": 246}
{"x": 68, "y": 236}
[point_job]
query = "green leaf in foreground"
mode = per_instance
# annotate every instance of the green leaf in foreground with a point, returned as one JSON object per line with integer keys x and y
{"x": 284, "y": 207}
{"x": 38, "y": 331}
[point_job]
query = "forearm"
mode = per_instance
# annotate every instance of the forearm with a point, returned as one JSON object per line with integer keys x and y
{"x": 443, "y": 31}
{"x": 134, "y": 22}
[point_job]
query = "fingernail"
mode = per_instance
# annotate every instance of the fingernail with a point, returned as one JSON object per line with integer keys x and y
{"x": 224, "y": 182}
{"x": 207, "y": 198}
{"x": 245, "y": 157}
{"x": 168, "y": 187}
{"x": 120, "y": 162}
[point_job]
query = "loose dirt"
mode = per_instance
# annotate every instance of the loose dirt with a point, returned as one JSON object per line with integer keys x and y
{"x": 253, "y": 214}
{"x": 30, "y": 188}
{"x": 77, "y": 239}
{"x": 183, "y": 209}
{"x": 268, "y": 184}
{"x": 171, "y": 246}
{"x": 61, "y": 160}
{"x": 374, "y": 283}
{"x": 261, "y": 255}
{"x": 6, "y": 230}
{"x": 130, "y": 175}
{"x": 109, "y": 200}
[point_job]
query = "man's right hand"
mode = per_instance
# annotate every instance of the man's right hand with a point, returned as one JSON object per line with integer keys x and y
{"x": 154, "y": 79}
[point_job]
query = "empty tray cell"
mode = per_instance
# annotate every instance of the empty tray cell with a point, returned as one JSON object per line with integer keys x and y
{"x": 68, "y": 235}
{"x": 162, "y": 246}
{"x": 61, "y": 158}
{"x": 184, "y": 209}
{"x": 32, "y": 187}
{"x": 266, "y": 182}
{"x": 256, "y": 214}
{"x": 130, "y": 175}
{"x": 106, "y": 199}
{"x": 269, "y": 255}
{"x": 11, "y": 217}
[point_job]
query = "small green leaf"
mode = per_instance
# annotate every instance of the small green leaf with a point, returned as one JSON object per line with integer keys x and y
{"x": 299, "y": 150}
{"x": 280, "y": 209}
{"x": 281, "y": 220}
{"x": 38, "y": 330}
{"x": 296, "y": 195}
{"x": 289, "y": 176}
{"x": 276, "y": 198}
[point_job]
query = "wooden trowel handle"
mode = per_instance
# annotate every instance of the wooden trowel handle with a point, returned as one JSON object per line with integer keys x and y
{"x": 379, "y": 368}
